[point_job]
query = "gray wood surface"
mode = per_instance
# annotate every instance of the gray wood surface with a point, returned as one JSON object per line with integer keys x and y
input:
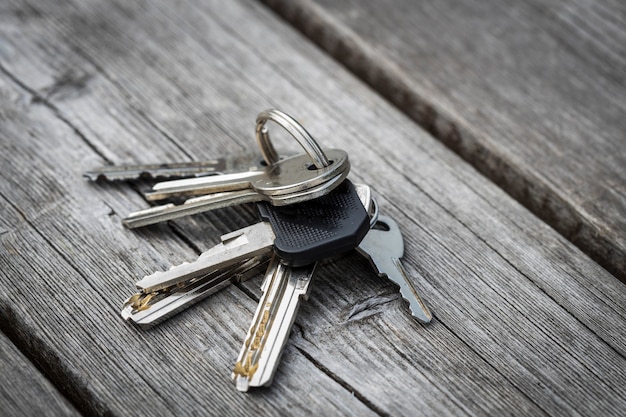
{"x": 525, "y": 323}
{"x": 24, "y": 391}
{"x": 531, "y": 93}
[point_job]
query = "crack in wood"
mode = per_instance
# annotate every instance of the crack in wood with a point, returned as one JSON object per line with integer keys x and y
{"x": 367, "y": 402}
{"x": 68, "y": 83}
{"x": 371, "y": 306}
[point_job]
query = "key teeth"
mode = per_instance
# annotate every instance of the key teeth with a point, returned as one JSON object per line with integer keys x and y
{"x": 174, "y": 266}
{"x": 93, "y": 176}
{"x": 129, "y": 310}
{"x": 129, "y": 306}
{"x": 126, "y": 312}
{"x": 242, "y": 373}
{"x": 425, "y": 316}
{"x": 158, "y": 273}
{"x": 242, "y": 383}
{"x": 409, "y": 293}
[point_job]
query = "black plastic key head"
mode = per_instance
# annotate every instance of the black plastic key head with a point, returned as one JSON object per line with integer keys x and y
{"x": 318, "y": 229}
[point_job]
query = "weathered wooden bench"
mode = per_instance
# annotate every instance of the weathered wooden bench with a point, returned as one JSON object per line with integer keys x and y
{"x": 494, "y": 135}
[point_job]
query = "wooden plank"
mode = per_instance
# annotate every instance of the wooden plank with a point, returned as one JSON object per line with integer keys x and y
{"x": 88, "y": 82}
{"x": 24, "y": 390}
{"x": 531, "y": 94}
{"x": 69, "y": 294}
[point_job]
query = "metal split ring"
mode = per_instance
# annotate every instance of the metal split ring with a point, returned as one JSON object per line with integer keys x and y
{"x": 373, "y": 213}
{"x": 296, "y": 130}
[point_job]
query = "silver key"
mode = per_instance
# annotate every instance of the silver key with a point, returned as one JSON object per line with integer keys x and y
{"x": 149, "y": 309}
{"x": 283, "y": 289}
{"x": 221, "y": 200}
{"x": 287, "y": 182}
{"x": 235, "y": 247}
{"x": 383, "y": 246}
{"x": 247, "y": 161}
{"x": 286, "y": 176}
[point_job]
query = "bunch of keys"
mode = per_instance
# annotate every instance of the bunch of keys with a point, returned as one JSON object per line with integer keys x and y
{"x": 309, "y": 212}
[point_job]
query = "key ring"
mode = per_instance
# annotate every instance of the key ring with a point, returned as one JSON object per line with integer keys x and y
{"x": 373, "y": 212}
{"x": 296, "y": 130}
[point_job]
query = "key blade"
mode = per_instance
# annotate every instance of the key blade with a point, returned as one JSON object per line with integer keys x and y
{"x": 231, "y": 163}
{"x": 147, "y": 310}
{"x": 407, "y": 290}
{"x": 204, "y": 185}
{"x": 384, "y": 248}
{"x": 196, "y": 205}
{"x": 235, "y": 247}
{"x": 155, "y": 171}
{"x": 283, "y": 289}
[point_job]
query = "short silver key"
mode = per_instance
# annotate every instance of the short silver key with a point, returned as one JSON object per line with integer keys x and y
{"x": 290, "y": 175}
{"x": 246, "y": 161}
{"x": 383, "y": 246}
{"x": 283, "y": 289}
{"x": 149, "y": 309}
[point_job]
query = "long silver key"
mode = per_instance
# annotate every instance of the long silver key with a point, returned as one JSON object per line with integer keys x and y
{"x": 287, "y": 182}
{"x": 301, "y": 234}
{"x": 283, "y": 289}
{"x": 383, "y": 246}
{"x": 245, "y": 161}
{"x": 149, "y": 309}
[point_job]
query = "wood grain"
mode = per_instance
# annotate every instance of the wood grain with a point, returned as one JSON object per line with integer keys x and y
{"x": 525, "y": 323}
{"x": 24, "y": 390}
{"x": 531, "y": 94}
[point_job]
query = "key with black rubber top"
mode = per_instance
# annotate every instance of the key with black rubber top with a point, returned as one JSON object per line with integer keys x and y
{"x": 300, "y": 234}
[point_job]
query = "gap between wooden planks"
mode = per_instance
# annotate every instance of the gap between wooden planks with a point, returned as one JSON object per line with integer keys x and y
{"x": 531, "y": 94}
